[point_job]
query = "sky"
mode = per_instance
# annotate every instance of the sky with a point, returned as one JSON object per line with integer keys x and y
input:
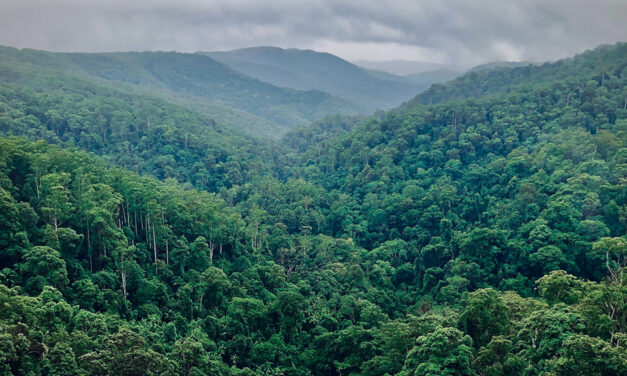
{"x": 454, "y": 32}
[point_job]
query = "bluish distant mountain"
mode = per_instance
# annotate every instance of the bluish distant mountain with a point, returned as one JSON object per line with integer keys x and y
{"x": 311, "y": 70}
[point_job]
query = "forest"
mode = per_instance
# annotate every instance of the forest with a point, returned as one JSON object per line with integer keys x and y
{"x": 477, "y": 229}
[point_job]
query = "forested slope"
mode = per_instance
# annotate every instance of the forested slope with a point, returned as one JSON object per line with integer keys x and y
{"x": 142, "y": 133}
{"x": 306, "y": 70}
{"x": 484, "y": 236}
{"x": 593, "y": 64}
{"x": 193, "y": 80}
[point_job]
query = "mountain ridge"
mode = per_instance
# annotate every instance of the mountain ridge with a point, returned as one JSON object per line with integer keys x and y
{"x": 207, "y": 81}
{"x": 308, "y": 69}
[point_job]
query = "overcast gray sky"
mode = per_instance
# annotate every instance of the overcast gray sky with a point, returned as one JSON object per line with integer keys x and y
{"x": 460, "y": 32}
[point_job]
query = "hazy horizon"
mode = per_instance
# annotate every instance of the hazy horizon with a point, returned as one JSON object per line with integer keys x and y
{"x": 451, "y": 33}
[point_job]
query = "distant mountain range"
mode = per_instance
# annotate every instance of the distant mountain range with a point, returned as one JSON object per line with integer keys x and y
{"x": 406, "y": 67}
{"x": 263, "y": 91}
{"x": 435, "y": 71}
{"x": 311, "y": 70}
{"x": 431, "y": 77}
{"x": 195, "y": 81}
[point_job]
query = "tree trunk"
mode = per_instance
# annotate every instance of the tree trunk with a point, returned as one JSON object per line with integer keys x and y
{"x": 91, "y": 265}
{"x": 154, "y": 242}
{"x": 123, "y": 275}
{"x": 167, "y": 253}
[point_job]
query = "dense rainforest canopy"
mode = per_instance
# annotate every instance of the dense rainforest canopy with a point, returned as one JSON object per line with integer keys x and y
{"x": 477, "y": 230}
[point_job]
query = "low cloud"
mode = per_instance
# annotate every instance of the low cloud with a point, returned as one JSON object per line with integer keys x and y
{"x": 458, "y": 32}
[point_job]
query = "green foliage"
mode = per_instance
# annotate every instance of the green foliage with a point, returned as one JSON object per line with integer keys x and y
{"x": 446, "y": 351}
{"x": 485, "y": 236}
{"x": 193, "y": 80}
{"x": 145, "y": 134}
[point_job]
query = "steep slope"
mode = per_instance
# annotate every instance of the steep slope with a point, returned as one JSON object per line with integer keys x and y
{"x": 143, "y": 133}
{"x": 195, "y": 81}
{"x": 306, "y": 70}
{"x": 435, "y": 160}
{"x": 300, "y": 139}
{"x": 594, "y": 64}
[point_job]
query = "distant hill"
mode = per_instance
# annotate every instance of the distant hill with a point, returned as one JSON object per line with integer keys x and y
{"x": 499, "y": 64}
{"x": 404, "y": 67}
{"x": 198, "y": 82}
{"x": 494, "y": 79}
{"x": 432, "y": 77}
{"x": 306, "y": 70}
{"x": 386, "y": 75}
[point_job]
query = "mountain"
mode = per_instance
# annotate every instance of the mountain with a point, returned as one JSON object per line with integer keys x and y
{"x": 385, "y": 75}
{"x": 433, "y": 77}
{"x": 196, "y": 81}
{"x": 404, "y": 67}
{"x": 592, "y": 65}
{"x": 499, "y": 64}
{"x": 311, "y": 70}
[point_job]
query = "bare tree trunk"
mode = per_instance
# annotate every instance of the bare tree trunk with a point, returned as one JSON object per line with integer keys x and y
{"x": 91, "y": 265}
{"x": 154, "y": 242}
{"x": 123, "y": 275}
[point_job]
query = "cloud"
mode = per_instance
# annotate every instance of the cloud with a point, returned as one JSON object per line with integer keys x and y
{"x": 457, "y": 32}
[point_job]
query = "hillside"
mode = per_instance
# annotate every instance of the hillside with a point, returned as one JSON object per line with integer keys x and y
{"x": 591, "y": 65}
{"x": 143, "y": 133}
{"x": 480, "y": 235}
{"x": 195, "y": 81}
{"x": 433, "y": 77}
{"x": 307, "y": 70}
{"x": 499, "y": 64}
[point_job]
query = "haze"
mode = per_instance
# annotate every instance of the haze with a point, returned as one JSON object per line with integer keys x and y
{"x": 459, "y": 33}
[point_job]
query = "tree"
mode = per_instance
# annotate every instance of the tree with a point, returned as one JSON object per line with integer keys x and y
{"x": 249, "y": 313}
{"x": 215, "y": 285}
{"x": 199, "y": 258}
{"x": 124, "y": 354}
{"x": 446, "y": 351}
{"x": 615, "y": 250}
{"x": 56, "y": 202}
{"x": 559, "y": 286}
{"x": 484, "y": 316}
{"x": 289, "y": 304}
{"x": 62, "y": 361}
{"x": 547, "y": 259}
{"x": 9, "y": 226}
{"x": 585, "y": 355}
{"x": 493, "y": 359}
{"x": 43, "y": 266}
